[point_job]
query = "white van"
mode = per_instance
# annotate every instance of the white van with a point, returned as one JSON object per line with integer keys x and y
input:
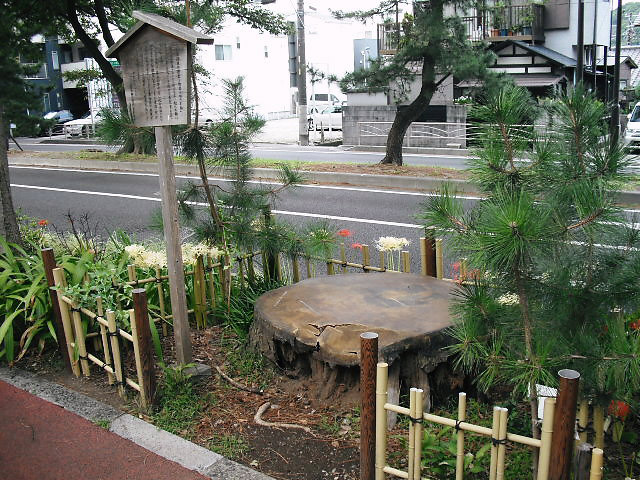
{"x": 319, "y": 101}
{"x": 632, "y": 133}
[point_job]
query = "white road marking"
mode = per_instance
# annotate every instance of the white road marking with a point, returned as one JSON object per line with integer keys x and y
{"x": 220, "y": 179}
{"x": 279, "y": 212}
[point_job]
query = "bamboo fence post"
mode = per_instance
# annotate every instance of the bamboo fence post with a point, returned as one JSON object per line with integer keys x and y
{"x": 330, "y": 270}
{"x": 406, "y": 262}
{"x": 115, "y": 348}
{"x": 343, "y": 257}
{"x": 49, "y": 264}
{"x": 382, "y": 378}
{"x": 105, "y": 340}
{"x": 211, "y": 281}
{"x": 564, "y": 422}
{"x": 366, "y": 259}
{"x": 501, "y": 446}
{"x": 163, "y": 313}
{"x": 368, "y": 362}
{"x": 582, "y": 462}
{"x": 463, "y": 269}
{"x": 583, "y": 419}
{"x": 439, "y": 259}
{"x": 197, "y": 295}
{"x": 61, "y": 282}
{"x": 428, "y": 255}
{"x": 80, "y": 339}
{"x": 417, "y": 463}
{"x": 495, "y": 431}
{"x": 382, "y": 261}
{"x": 227, "y": 278}
{"x": 251, "y": 273}
{"x": 462, "y": 416}
{"x": 143, "y": 349}
{"x": 412, "y": 434}
{"x": 598, "y": 426}
{"x": 596, "y": 464}
{"x": 308, "y": 262}
{"x": 203, "y": 289}
{"x": 546, "y": 438}
{"x": 295, "y": 265}
{"x": 131, "y": 273}
{"x": 221, "y": 275}
{"x": 278, "y": 267}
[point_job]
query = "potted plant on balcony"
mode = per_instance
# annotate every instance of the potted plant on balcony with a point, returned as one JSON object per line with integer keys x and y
{"x": 500, "y": 19}
{"x": 527, "y": 21}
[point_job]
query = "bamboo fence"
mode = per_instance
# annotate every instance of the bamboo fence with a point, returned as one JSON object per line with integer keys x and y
{"x": 498, "y": 435}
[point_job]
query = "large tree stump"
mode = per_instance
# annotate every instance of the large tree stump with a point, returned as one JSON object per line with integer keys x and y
{"x": 311, "y": 330}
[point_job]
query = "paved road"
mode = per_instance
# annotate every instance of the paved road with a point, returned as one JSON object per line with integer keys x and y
{"x": 128, "y": 200}
{"x": 279, "y": 152}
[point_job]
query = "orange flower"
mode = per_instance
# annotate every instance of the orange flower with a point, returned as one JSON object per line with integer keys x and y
{"x": 43, "y": 223}
{"x": 345, "y": 233}
{"x": 619, "y": 409}
{"x": 356, "y": 245}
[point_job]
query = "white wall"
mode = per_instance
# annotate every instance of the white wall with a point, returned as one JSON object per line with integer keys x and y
{"x": 564, "y": 41}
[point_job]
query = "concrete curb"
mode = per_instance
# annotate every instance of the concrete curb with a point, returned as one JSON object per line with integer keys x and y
{"x": 427, "y": 184}
{"x": 160, "y": 442}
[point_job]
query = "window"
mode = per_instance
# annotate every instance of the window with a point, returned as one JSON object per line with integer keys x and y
{"x": 238, "y": 43}
{"x": 321, "y": 97}
{"x": 54, "y": 60}
{"x": 223, "y": 52}
{"x": 266, "y": 52}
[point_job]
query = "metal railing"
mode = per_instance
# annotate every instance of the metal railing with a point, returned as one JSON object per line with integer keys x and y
{"x": 525, "y": 22}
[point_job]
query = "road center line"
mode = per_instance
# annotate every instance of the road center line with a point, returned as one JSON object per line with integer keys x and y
{"x": 278, "y": 212}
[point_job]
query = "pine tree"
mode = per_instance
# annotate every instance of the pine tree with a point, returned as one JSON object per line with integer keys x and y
{"x": 557, "y": 261}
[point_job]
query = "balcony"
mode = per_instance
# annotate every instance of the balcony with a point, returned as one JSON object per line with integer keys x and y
{"x": 389, "y": 35}
{"x": 517, "y": 22}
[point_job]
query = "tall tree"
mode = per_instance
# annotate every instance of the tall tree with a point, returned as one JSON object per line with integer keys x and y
{"x": 15, "y": 95}
{"x": 431, "y": 46}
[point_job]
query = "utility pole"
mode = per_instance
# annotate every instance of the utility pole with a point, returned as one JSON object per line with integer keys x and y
{"x": 187, "y": 7}
{"x": 614, "y": 128}
{"x": 580, "y": 56}
{"x": 303, "y": 127}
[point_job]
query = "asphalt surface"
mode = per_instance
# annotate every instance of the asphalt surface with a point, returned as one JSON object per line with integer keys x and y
{"x": 128, "y": 200}
{"x": 41, "y": 440}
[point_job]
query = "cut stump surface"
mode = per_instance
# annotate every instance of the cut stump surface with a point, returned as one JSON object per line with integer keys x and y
{"x": 312, "y": 328}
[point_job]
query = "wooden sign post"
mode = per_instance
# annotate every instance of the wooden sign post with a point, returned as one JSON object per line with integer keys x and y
{"x": 155, "y": 57}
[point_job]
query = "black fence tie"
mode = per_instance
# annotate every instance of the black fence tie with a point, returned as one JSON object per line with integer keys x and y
{"x": 415, "y": 420}
{"x": 457, "y": 427}
{"x": 158, "y": 280}
{"x": 344, "y": 264}
{"x": 587, "y": 428}
{"x": 112, "y": 334}
{"x": 75, "y": 309}
{"x": 497, "y": 442}
{"x": 83, "y": 358}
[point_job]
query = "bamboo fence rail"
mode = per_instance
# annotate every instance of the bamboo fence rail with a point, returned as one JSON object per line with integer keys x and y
{"x": 498, "y": 435}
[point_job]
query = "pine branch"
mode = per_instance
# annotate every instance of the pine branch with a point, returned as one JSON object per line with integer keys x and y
{"x": 591, "y": 218}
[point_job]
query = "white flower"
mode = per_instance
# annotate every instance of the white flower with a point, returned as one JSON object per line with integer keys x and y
{"x": 134, "y": 250}
{"x": 508, "y": 299}
{"x": 388, "y": 244}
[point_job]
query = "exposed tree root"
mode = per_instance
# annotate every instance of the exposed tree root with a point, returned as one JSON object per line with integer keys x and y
{"x": 236, "y": 384}
{"x": 263, "y": 408}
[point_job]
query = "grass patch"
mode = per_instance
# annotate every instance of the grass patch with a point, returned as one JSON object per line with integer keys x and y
{"x": 250, "y": 367}
{"x": 106, "y": 424}
{"x": 230, "y": 446}
{"x": 179, "y": 405}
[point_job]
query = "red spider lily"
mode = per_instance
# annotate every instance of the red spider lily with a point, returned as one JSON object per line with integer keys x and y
{"x": 345, "y": 233}
{"x": 619, "y": 409}
{"x": 43, "y": 223}
{"x": 356, "y": 245}
{"x": 635, "y": 325}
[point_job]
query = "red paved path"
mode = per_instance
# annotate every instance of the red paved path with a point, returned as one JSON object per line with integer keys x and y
{"x": 42, "y": 441}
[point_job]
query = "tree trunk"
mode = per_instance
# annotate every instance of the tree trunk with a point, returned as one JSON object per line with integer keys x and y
{"x": 406, "y": 116}
{"x": 9, "y": 220}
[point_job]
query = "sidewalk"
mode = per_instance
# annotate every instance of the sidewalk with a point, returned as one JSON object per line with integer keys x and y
{"x": 47, "y": 441}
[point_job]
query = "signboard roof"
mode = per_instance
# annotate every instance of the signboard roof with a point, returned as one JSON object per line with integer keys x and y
{"x": 163, "y": 24}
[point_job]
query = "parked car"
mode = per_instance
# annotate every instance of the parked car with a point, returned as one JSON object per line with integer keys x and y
{"x": 82, "y": 125}
{"x": 61, "y": 116}
{"x": 632, "y": 133}
{"x": 330, "y": 117}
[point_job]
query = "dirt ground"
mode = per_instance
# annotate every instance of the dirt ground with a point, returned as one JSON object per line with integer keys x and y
{"x": 329, "y": 451}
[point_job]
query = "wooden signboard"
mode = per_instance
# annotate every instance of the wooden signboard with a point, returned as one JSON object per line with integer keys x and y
{"x": 155, "y": 70}
{"x": 155, "y": 57}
